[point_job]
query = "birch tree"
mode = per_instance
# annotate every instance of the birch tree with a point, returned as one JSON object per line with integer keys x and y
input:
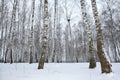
{"x": 2, "y": 26}
{"x": 6, "y": 34}
{"x": 87, "y": 25}
{"x": 54, "y": 45}
{"x": 12, "y": 31}
{"x": 68, "y": 34}
{"x": 105, "y": 65}
{"x": 22, "y": 37}
{"x": 31, "y": 37}
{"x": 44, "y": 38}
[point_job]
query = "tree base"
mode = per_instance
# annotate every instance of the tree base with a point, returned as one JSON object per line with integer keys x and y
{"x": 106, "y": 68}
{"x": 41, "y": 65}
{"x": 92, "y": 63}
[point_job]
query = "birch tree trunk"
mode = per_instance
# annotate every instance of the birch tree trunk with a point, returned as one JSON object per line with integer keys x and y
{"x": 55, "y": 32}
{"x": 68, "y": 37}
{"x": 18, "y": 30}
{"x": 31, "y": 37}
{"x": 6, "y": 28}
{"x": 23, "y": 29}
{"x": 105, "y": 65}
{"x": 2, "y": 26}
{"x": 87, "y": 25}
{"x": 54, "y": 36}
{"x": 13, "y": 30}
{"x": 44, "y": 38}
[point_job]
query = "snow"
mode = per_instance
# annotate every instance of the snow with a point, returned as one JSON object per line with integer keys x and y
{"x": 56, "y": 71}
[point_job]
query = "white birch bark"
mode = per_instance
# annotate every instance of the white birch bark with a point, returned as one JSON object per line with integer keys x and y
{"x": 44, "y": 38}
{"x": 105, "y": 65}
{"x": 32, "y": 32}
{"x": 89, "y": 32}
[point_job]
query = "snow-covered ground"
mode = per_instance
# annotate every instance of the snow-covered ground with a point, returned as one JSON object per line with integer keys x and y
{"x": 56, "y": 71}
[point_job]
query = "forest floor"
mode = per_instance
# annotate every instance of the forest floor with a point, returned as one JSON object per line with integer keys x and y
{"x": 56, "y": 71}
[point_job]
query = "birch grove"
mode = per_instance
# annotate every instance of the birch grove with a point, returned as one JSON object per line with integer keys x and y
{"x": 38, "y": 31}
